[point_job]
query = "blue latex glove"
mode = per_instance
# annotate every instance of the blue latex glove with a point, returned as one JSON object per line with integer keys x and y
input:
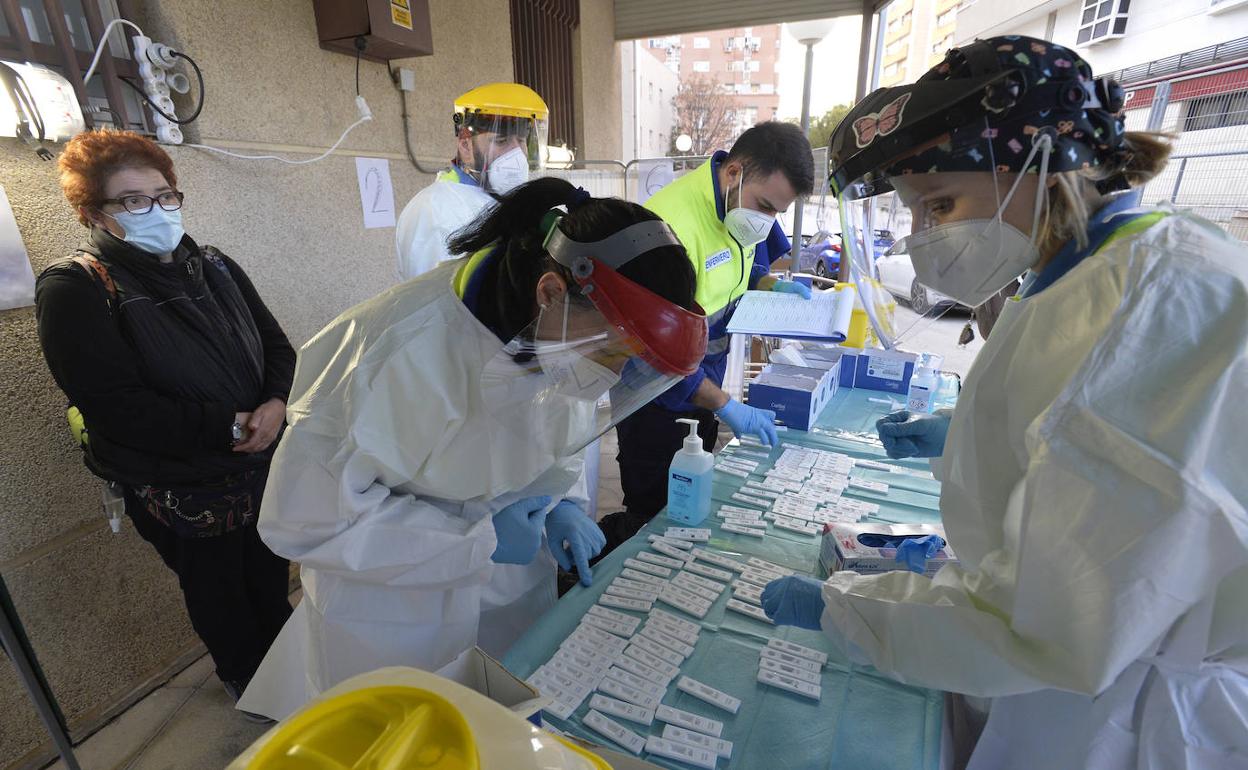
{"x": 518, "y": 528}
{"x": 745, "y": 419}
{"x": 913, "y": 435}
{"x": 795, "y": 600}
{"x": 584, "y": 538}
{"x": 915, "y": 551}
{"x": 792, "y": 287}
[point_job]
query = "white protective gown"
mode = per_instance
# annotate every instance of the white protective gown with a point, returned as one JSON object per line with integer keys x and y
{"x": 383, "y": 488}
{"x": 430, "y": 217}
{"x": 1095, "y": 482}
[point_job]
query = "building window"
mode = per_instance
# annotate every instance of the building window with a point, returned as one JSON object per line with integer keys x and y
{"x": 893, "y": 48}
{"x": 65, "y": 42}
{"x": 892, "y": 69}
{"x": 754, "y": 65}
{"x": 701, "y": 42}
{"x": 942, "y": 45}
{"x": 1102, "y": 20}
{"x": 651, "y": 90}
{"x": 701, "y": 66}
{"x": 948, "y": 17}
{"x": 1219, "y": 111}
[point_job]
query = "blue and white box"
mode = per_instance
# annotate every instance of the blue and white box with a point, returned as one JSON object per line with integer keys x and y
{"x": 874, "y": 369}
{"x": 797, "y": 394}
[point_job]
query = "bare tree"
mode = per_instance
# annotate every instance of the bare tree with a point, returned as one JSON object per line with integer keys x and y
{"x": 706, "y": 112}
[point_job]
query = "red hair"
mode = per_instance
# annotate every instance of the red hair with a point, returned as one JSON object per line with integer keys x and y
{"x": 90, "y": 158}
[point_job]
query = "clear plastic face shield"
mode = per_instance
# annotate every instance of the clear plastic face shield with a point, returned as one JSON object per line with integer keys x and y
{"x": 960, "y": 236}
{"x": 504, "y": 149}
{"x": 600, "y": 349}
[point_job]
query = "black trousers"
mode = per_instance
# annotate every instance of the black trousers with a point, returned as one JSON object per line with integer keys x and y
{"x": 649, "y": 438}
{"x": 234, "y": 587}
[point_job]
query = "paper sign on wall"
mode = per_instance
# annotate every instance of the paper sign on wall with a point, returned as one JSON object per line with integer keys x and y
{"x": 651, "y": 177}
{"x": 17, "y": 280}
{"x": 376, "y": 192}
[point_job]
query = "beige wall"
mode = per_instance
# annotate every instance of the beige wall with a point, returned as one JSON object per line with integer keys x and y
{"x": 596, "y": 80}
{"x": 105, "y": 616}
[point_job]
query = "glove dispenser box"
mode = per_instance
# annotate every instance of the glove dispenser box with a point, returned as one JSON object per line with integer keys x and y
{"x": 843, "y": 548}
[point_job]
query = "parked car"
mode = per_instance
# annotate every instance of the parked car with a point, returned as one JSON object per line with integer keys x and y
{"x": 884, "y": 241}
{"x": 828, "y": 263}
{"x": 897, "y": 275}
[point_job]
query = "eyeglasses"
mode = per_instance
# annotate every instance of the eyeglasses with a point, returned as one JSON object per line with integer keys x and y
{"x": 141, "y": 204}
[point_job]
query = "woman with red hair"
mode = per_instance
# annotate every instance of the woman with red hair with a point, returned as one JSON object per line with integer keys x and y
{"x": 179, "y": 375}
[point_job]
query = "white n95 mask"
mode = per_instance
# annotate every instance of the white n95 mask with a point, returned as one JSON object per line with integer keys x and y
{"x": 747, "y": 226}
{"x": 973, "y": 259}
{"x": 574, "y": 374}
{"x": 156, "y": 232}
{"x": 507, "y": 172}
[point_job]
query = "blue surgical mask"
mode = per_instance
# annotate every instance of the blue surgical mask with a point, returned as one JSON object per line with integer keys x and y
{"x": 156, "y": 232}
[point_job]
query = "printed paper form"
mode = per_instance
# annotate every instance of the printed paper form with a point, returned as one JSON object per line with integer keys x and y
{"x": 824, "y": 316}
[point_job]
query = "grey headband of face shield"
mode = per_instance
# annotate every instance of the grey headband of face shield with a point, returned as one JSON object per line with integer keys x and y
{"x": 613, "y": 251}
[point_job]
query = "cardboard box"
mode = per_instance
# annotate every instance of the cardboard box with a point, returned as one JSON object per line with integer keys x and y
{"x": 843, "y": 550}
{"x": 874, "y": 369}
{"x": 796, "y": 405}
{"x": 477, "y": 671}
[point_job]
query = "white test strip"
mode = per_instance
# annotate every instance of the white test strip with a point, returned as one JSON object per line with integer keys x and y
{"x": 694, "y": 588}
{"x": 755, "y": 491}
{"x": 711, "y": 572}
{"x": 794, "y": 525}
{"x": 630, "y": 593}
{"x": 737, "y": 513}
{"x": 644, "y": 577}
{"x": 597, "y": 638}
{"x": 732, "y": 471}
{"x": 672, "y": 632}
{"x": 738, "y": 509}
{"x": 618, "y": 708}
{"x": 590, "y": 650}
{"x": 637, "y": 668}
{"x": 758, "y": 577}
{"x": 651, "y": 646}
{"x": 792, "y": 660}
{"x": 675, "y": 621}
{"x": 578, "y": 674}
{"x": 652, "y": 569}
{"x": 812, "y": 691}
{"x": 681, "y": 752}
{"x": 736, "y": 605}
{"x": 689, "y": 534}
{"x": 858, "y": 506}
{"x": 613, "y": 626}
{"x": 720, "y": 746}
{"x": 796, "y": 649}
{"x": 592, "y": 664}
{"x": 742, "y": 522}
{"x": 707, "y": 583}
{"x": 618, "y": 689}
{"x": 873, "y": 465}
{"x": 669, "y": 550}
{"x": 704, "y": 692}
{"x": 748, "y": 453}
{"x": 748, "y": 594}
{"x": 662, "y": 667}
{"x": 750, "y": 500}
{"x": 697, "y": 609}
{"x": 565, "y": 702}
{"x": 667, "y": 625}
{"x": 668, "y": 640}
{"x": 718, "y": 559}
{"x": 674, "y": 716}
{"x": 675, "y": 542}
{"x": 616, "y": 732}
{"x": 636, "y": 585}
{"x": 870, "y": 486}
{"x": 743, "y": 530}
{"x": 768, "y": 566}
{"x": 737, "y": 465}
{"x": 603, "y": 612}
{"x": 645, "y": 685}
{"x": 791, "y": 671}
{"x": 625, "y": 603}
{"x": 574, "y": 690}
{"x": 662, "y": 561}
{"x": 673, "y": 591}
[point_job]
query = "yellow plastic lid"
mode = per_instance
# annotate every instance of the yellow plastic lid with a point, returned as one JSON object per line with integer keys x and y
{"x": 375, "y": 728}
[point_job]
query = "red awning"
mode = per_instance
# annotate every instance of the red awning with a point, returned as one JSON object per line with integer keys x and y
{"x": 1210, "y": 85}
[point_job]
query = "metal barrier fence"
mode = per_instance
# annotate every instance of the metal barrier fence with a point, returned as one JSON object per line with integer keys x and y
{"x": 1207, "y": 112}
